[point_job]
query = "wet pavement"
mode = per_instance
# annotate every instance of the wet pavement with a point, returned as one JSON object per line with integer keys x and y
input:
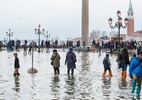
{"x": 86, "y": 84}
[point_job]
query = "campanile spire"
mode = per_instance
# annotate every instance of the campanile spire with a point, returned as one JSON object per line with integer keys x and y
{"x": 130, "y": 26}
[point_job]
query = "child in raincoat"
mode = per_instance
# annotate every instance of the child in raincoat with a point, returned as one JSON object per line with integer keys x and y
{"x": 107, "y": 66}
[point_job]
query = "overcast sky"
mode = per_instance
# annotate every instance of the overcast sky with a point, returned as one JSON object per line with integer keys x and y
{"x": 61, "y": 18}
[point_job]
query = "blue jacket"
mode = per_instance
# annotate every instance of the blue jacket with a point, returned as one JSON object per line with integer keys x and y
{"x": 134, "y": 69}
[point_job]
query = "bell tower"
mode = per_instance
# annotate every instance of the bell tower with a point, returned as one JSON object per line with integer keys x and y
{"x": 130, "y": 26}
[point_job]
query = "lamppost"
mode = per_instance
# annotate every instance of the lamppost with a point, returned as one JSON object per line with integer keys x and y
{"x": 9, "y": 34}
{"x": 119, "y": 25}
{"x": 47, "y": 35}
{"x": 38, "y": 32}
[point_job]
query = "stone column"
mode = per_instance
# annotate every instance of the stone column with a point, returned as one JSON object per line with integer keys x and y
{"x": 85, "y": 21}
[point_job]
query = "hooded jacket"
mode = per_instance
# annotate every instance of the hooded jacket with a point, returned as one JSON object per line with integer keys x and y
{"x": 124, "y": 58}
{"x": 106, "y": 62}
{"x": 135, "y": 68}
{"x": 71, "y": 60}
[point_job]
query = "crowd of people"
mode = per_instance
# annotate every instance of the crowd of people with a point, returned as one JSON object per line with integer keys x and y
{"x": 95, "y": 45}
{"x": 135, "y": 69}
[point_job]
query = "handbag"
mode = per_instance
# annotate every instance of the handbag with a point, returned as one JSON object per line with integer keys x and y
{"x": 53, "y": 60}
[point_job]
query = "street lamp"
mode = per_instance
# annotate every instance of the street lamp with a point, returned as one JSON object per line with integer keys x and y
{"x": 38, "y": 32}
{"x": 9, "y": 34}
{"x": 47, "y": 35}
{"x": 119, "y": 25}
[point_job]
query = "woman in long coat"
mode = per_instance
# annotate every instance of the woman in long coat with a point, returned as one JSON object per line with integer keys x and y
{"x": 56, "y": 62}
{"x": 70, "y": 61}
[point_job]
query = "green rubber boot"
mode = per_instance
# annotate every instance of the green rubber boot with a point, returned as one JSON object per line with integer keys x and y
{"x": 138, "y": 91}
{"x": 133, "y": 86}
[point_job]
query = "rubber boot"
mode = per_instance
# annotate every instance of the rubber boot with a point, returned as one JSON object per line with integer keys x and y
{"x": 103, "y": 75}
{"x": 133, "y": 86}
{"x": 110, "y": 73}
{"x": 124, "y": 75}
{"x": 138, "y": 91}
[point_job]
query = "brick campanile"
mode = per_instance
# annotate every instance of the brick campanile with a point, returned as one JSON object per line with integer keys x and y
{"x": 85, "y": 21}
{"x": 130, "y": 26}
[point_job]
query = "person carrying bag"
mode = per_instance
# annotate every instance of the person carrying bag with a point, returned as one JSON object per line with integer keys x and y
{"x": 55, "y": 62}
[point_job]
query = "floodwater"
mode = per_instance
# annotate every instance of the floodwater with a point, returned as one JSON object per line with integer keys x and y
{"x": 86, "y": 84}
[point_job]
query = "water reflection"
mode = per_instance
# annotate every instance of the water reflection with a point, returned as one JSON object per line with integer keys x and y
{"x": 17, "y": 84}
{"x": 85, "y": 62}
{"x": 136, "y": 98}
{"x": 33, "y": 86}
{"x": 85, "y": 79}
{"x": 70, "y": 87}
{"x": 122, "y": 83}
{"x": 106, "y": 88}
{"x": 55, "y": 87}
{"x": 86, "y": 84}
{"x": 124, "y": 91}
{"x": 56, "y": 79}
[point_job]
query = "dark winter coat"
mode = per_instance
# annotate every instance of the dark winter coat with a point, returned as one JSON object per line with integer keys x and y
{"x": 106, "y": 62}
{"x": 70, "y": 60}
{"x": 16, "y": 63}
{"x": 56, "y": 59}
{"x": 124, "y": 58}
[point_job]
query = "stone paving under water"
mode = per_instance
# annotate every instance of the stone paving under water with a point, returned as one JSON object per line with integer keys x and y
{"x": 86, "y": 84}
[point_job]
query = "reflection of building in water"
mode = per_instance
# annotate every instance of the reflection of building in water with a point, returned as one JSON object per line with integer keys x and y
{"x": 85, "y": 63}
{"x": 33, "y": 87}
{"x": 55, "y": 87}
{"x": 85, "y": 81}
